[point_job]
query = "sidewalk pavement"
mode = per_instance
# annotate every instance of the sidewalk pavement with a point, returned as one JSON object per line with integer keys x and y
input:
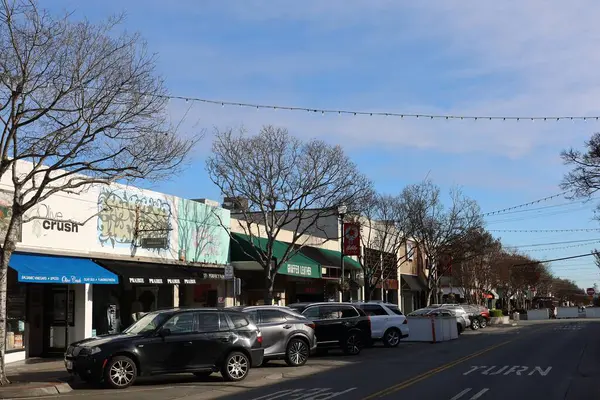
{"x": 35, "y": 378}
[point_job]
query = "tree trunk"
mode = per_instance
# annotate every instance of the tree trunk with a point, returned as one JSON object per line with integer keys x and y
{"x": 5, "y": 253}
{"x": 269, "y": 286}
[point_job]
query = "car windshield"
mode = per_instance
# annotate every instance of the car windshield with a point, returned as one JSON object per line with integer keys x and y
{"x": 147, "y": 323}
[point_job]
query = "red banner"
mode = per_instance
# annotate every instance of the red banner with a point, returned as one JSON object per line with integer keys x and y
{"x": 351, "y": 239}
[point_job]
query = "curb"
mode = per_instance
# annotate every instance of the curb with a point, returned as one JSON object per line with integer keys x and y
{"x": 35, "y": 389}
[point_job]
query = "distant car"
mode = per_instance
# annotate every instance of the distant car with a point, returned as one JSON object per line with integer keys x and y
{"x": 462, "y": 321}
{"x": 286, "y": 334}
{"x": 388, "y": 324}
{"x": 199, "y": 341}
{"x": 337, "y": 325}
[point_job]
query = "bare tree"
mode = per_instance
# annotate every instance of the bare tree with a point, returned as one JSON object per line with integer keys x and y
{"x": 436, "y": 227}
{"x": 384, "y": 232}
{"x": 79, "y": 105}
{"x": 471, "y": 268}
{"x": 584, "y": 177}
{"x": 288, "y": 184}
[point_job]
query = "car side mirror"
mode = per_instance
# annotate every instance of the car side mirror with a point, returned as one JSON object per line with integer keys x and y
{"x": 164, "y": 332}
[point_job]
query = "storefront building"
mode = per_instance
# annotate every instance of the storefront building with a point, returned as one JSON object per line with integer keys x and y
{"x": 89, "y": 263}
{"x": 310, "y": 274}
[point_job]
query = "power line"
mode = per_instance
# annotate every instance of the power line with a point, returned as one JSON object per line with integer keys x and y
{"x": 571, "y": 203}
{"x": 553, "y": 243}
{"x": 556, "y": 259}
{"x": 563, "y": 247}
{"x": 545, "y": 230}
{"x": 527, "y": 204}
{"x": 323, "y": 111}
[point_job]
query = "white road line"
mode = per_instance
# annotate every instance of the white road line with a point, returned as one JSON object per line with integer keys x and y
{"x": 479, "y": 394}
{"x": 475, "y": 396}
{"x": 461, "y": 394}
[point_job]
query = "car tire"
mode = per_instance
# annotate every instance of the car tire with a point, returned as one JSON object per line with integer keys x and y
{"x": 203, "y": 374}
{"x": 297, "y": 353}
{"x": 391, "y": 337}
{"x": 120, "y": 372}
{"x": 483, "y": 323}
{"x": 475, "y": 324}
{"x": 235, "y": 367}
{"x": 352, "y": 344}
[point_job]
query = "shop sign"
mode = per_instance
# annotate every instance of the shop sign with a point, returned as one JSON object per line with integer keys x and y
{"x": 299, "y": 270}
{"x": 162, "y": 281}
{"x": 351, "y": 239}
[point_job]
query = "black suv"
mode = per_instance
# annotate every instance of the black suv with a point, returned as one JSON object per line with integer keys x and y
{"x": 337, "y": 325}
{"x": 199, "y": 341}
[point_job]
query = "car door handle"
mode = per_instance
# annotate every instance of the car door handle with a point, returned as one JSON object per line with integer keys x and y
{"x": 287, "y": 326}
{"x": 187, "y": 344}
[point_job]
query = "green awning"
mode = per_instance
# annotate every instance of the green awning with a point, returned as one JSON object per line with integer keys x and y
{"x": 329, "y": 258}
{"x": 248, "y": 249}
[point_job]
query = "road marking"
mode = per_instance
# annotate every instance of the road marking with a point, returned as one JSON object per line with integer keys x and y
{"x": 507, "y": 370}
{"x": 432, "y": 372}
{"x": 467, "y": 390}
{"x": 425, "y": 375}
{"x": 305, "y": 394}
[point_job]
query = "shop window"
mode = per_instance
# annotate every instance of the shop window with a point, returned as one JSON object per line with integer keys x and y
{"x": 59, "y": 301}
{"x": 15, "y": 311}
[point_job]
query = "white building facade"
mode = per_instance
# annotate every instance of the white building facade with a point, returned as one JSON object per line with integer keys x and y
{"x": 88, "y": 263}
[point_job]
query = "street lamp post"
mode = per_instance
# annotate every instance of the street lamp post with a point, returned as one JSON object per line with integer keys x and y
{"x": 342, "y": 209}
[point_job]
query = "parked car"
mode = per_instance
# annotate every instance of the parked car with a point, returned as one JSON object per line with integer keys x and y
{"x": 198, "y": 341}
{"x": 388, "y": 324}
{"x": 462, "y": 322}
{"x": 287, "y": 335}
{"x": 478, "y": 315}
{"x": 337, "y": 325}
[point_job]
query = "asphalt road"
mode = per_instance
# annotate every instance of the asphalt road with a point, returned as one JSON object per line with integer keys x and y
{"x": 553, "y": 360}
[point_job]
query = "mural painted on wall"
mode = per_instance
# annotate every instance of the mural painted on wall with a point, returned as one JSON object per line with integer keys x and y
{"x": 201, "y": 235}
{"x": 127, "y": 218}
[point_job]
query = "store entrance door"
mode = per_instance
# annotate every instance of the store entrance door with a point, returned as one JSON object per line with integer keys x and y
{"x": 55, "y": 310}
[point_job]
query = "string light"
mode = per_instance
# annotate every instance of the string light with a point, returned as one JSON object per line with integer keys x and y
{"x": 426, "y": 116}
{"x": 527, "y": 204}
{"x": 545, "y": 230}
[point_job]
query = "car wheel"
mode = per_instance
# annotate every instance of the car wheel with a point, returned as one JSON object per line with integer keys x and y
{"x": 353, "y": 344}
{"x": 391, "y": 338}
{"x": 483, "y": 322}
{"x": 236, "y": 367}
{"x": 475, "y": 324}
{"x": 203, "y": 374}
{"x": 120, "y": 373}
{"x": 297, "y": 353}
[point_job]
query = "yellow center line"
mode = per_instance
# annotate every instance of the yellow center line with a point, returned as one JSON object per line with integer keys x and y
{"x": 425, "y": 375}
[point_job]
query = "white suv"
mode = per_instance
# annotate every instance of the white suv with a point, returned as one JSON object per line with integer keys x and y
{"x": 388, "y": 324}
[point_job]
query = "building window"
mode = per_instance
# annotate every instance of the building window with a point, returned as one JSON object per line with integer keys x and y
{"x": 15, "y": 310}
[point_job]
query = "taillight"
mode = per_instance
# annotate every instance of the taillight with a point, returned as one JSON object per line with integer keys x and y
{"x": 259, "y": 337}
{"x": 311, "y": 325}
{"x": 405, "y": 321}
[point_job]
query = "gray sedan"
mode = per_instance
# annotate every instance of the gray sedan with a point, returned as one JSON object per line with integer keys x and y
{"x": 286, "y": 334}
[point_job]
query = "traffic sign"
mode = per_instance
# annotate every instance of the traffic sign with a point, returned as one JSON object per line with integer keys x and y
{"x": 590, "y": 291}
{"x": 228, "y": 272}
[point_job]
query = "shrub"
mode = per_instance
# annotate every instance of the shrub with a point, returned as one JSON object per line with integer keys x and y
{"x": 495, "y": 313}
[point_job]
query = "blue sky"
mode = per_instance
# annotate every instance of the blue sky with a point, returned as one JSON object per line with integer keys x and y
{"x": 457, "y": 57}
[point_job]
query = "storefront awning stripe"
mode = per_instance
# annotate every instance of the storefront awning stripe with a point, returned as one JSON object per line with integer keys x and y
{"x": 159, "y": 274}
{"x": 412, "y": 282}
{"x": 37, "y": 268}
{"x": 246, "y": 248}
{"x": 329, "y": 258}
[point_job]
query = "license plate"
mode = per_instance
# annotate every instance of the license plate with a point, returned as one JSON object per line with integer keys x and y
{"x": 69, "y": 364}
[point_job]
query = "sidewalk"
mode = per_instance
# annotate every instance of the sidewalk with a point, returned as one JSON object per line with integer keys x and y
{"x": 35, "y": 378}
